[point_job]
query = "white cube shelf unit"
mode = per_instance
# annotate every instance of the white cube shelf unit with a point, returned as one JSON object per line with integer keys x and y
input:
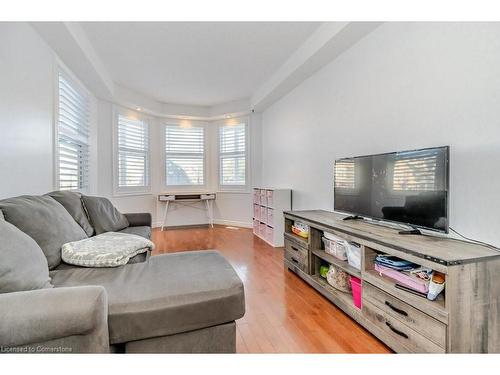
{"x": 268, "y": 207}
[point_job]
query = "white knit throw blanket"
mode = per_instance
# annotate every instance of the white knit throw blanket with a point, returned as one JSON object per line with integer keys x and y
{"x": 105, "y": 250}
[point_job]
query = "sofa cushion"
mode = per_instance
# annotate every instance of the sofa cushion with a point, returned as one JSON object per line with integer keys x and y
{"x": 103, "y": 215}
{"x": 168, "y": 294}
{"x": 23, "y": 265}
{"x": 72, "y": 202}
{"x": 1, "y": 216}
{"x": 139, "y": 231}
{"x": 46, "y": 221}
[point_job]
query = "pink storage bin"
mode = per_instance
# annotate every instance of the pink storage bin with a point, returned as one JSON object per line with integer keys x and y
{"x": 256, "y": 212}
{"x": 270, "y": 216}
{"x": 356, "y": 291}
{"x": 263, "y": 213}
{"x": 269, "y": 234}
{"x": 269, "y": 197}
{"x": 262, "y": 230}
{"x": 256, "y": 196}
{"x": 415, "y": 283}
{"x": 263, "y": 197}
{"x": 256, "y": 227}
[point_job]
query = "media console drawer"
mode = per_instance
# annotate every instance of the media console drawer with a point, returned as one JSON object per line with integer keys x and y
{"x": 402, "y": 337}
{"x": 296, "y": 255}
{"x": 410, "y": 316}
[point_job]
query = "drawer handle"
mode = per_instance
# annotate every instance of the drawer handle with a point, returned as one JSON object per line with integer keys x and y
{"x": 294, "y": 260}
{"x": 394, "y": 308}
{"x": 294, "y": 248}
{"x": 402, "y": 334}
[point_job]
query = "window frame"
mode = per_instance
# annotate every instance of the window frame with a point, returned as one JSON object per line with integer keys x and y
{"x": 206, "y": 156}
{"x": 130, "y": 190}
{"x": 61, "y": 69}
{"x": 234, "y": 188}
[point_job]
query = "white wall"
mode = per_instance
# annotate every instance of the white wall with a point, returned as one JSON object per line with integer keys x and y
{"x": 404, "y": 86}
{"x": 27, "y": 82}
{"x": 229, "y": 208}
{"x": 26, "y": 109}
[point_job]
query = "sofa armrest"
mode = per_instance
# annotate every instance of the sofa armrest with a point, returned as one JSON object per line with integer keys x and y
{"x": 139, "y": 220}
{"x": 76, "y": 317}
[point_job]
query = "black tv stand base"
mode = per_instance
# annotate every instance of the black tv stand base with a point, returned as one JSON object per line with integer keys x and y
{"x": 411, "y": 231}
{"x": 352, "y": 217}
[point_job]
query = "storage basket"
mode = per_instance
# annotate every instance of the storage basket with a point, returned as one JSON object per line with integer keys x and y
{"x": 354, "y": 255}
{"x": 269, "y": 198}
{"x": 300, "y": 229}
{"x": 338, "y": 279}
{"x": 356, "y": 291}
{"x": 337, "y": 248}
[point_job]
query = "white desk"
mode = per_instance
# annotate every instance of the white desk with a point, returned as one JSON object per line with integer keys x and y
{"x": 187, "y": 199}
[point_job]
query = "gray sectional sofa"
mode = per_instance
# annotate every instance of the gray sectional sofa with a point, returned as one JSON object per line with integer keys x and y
{"x": 174, "y": 303}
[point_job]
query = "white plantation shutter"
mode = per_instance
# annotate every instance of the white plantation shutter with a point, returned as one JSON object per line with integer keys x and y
{"x": 133, "y": 153}
{"x": 415, "y": 171}
{"x": 232, "y": 155}
{"x": 185, "y": 155}
{"x": 73, "y": 129}
{"x": 345, "y": 177}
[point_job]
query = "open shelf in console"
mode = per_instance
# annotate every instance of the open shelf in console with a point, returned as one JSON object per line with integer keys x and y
{"x": 342, "y": 264}
{"x": 318, "y": 249}
{"x": 436, "y": 308}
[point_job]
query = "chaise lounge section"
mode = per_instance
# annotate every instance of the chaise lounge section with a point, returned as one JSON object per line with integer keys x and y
{"x": 173, "y": 303}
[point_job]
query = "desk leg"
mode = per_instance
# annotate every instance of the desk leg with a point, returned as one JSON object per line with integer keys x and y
{"x": 165, "y": 216}
{"x": 210, "y": 212}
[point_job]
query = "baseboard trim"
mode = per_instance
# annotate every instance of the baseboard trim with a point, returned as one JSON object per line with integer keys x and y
{"x": 231, "y": 223}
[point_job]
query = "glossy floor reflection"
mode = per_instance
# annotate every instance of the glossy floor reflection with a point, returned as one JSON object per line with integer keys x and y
{"x": 283, "y": 314}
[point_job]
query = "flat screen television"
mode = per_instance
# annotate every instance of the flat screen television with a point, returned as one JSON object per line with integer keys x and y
{"x": 408, "y": 187}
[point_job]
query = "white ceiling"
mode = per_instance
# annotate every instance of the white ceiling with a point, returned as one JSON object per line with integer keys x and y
{"x": 197, "y": 63}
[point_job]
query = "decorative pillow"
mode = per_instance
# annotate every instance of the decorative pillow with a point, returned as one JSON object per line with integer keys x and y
{"x": 103, "y": 215}
{"x": 23, "y": 265}
{"x": 105, "y": 250}
{"x": 72, "y": 202}
{"x": 46, "y": 221}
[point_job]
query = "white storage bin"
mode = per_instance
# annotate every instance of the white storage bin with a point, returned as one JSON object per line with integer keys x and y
{"x": 354, "y": 255}
{"x": 336, "y": 247}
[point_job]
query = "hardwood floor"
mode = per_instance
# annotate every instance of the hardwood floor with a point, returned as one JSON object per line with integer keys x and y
{"x": 283, "y": 314}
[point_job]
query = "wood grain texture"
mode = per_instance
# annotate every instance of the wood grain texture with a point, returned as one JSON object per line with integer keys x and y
{"x": 283, "y": 313}
{"x": 445, "y": 251}
{"x": 474, "y": 323}
{"x": 463, "y": 319}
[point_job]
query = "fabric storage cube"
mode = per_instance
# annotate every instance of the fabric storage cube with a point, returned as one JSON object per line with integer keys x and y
{"x": 263, "y": 213}
{"x": 256, "y": 212}
{"x": 256, "y": 196}
{"x": 269, "y": 234}
{"x": 270, "y": 216}
{"x": 262, "y": 230}
{"x": 256, "y": 227}
{"x": 269, "y": 195}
